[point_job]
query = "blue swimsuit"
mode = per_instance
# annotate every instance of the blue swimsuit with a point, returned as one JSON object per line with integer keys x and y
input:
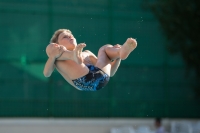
{"x": 93, "y": 81}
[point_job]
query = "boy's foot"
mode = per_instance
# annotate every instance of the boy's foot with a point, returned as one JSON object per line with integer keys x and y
{"x": 77, "y": 53}
{"x": 127, "y": 48}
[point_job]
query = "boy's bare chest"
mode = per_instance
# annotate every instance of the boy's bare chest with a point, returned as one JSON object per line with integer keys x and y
{"x": 71, "y": 69}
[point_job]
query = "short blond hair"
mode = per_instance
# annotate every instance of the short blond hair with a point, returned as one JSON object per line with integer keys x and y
{"x": 54, "y": 38}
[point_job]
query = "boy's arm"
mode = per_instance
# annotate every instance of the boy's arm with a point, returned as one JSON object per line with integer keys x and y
{"x": 114, "y": 66}
{"x": 49, "y": 67}
{"x": 54, "y": 52}
{"x": 66, "y": 55}
{"x": 72, "y": 55}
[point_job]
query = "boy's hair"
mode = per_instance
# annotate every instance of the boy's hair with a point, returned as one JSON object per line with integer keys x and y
{"x": 54, "y": 38}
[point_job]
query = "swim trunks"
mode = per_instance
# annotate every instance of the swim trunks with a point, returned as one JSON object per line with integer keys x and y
{"x": 93, "y": 81}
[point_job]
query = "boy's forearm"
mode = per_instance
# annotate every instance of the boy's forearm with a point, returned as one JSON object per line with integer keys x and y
{"x": 49, "y": 67}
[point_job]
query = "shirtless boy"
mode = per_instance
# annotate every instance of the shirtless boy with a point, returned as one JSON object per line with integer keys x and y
{"x": 82, "y": 69}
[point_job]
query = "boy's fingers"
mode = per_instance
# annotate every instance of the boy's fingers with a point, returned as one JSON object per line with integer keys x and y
{"x": 82, "y": 44}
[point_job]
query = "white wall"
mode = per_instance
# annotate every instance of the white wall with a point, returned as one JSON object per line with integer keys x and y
{"x": 39, "y": 125}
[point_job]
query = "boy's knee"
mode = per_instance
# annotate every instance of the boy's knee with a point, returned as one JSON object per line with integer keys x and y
{"x": 108, "y": 45}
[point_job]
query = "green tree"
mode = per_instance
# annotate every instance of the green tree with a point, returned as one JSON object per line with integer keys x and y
{"x": 180, "y": 22}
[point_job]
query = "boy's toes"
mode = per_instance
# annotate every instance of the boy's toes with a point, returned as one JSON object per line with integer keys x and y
{"x": 82, "y": 45}
{"x": 132, "y": 42}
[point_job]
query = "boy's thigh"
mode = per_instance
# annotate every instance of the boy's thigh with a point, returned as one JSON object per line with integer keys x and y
{"x": 103, "y": 62}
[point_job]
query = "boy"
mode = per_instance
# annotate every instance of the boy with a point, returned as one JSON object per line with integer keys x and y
{"x": 83, "y": 70}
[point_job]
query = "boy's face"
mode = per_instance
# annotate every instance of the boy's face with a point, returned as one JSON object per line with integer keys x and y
{"x": 67, "y": 39}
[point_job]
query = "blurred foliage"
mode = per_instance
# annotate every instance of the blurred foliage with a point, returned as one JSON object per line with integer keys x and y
{"x": 180, "y": 22}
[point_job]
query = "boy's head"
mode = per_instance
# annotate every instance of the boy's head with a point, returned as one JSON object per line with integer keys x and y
{"x": 64, "y": 37}
{"x": 54, "y": 38}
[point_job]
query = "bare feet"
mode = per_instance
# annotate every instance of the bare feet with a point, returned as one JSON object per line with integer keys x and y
{"x": 127, "y": 48}
{"x": 77, "y": 53}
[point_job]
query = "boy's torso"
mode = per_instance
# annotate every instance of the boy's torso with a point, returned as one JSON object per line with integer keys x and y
{"x": 71, "y": 70}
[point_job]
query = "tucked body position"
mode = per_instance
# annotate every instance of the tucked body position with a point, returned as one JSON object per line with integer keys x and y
{"x": 82, "y": 69}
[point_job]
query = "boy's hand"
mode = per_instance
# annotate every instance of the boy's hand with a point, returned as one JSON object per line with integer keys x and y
{"x": 56, "y": 50}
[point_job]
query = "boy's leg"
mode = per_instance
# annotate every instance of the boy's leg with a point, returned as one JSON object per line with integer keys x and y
{"x": 127, "y": 48}
{"x": 122, "y": 52}
{"x": 109, "y": 52}
{"x": 103, "y": 61}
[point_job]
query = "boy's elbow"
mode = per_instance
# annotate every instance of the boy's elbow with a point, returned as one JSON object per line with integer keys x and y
{"x": 112, "y": 74}
{"x": 46, "y": 74}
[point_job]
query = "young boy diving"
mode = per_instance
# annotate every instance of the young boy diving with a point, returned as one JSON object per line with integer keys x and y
{"x": 82, "y": 69}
